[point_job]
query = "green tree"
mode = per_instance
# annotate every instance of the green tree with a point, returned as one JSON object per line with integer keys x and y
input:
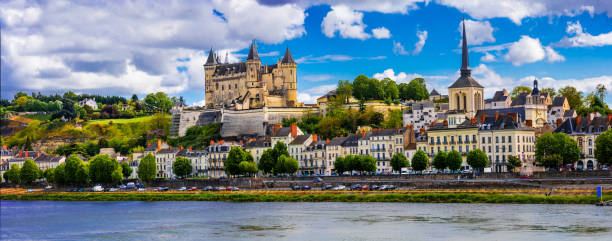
{"x": 49, "y": 175}
{"x": 600, "y": 91}
{"x": 416, "y": 90}
{"x": 398, "y": 161}
{"x": 82, "y": 174}
{"x": 248, "y": 167}
{"x": 291, "y": 165}
{"x": 103, "y": 169}
{"x": 344, "y": 90}
{"x": 267, "y": 161}
{"x": 574, "y": 97}
{"x": 557, "y": 143}
{"x": 551, "y": 161}
{"x": 234, "y": 158}
{"x": 454, "y": 160}
{"x": 28, "y": 144}
{"x": 367, "y": 163}
{"x": 309, "y": 123}
{"x": 182, "y": 166}
{"x": 73, "y": 164}
{"x": 339, "y": 165}
{"x": 60, "y": 174}
{"x": 603, "y": 148}
{"x": 551, "y": 91}
{"x": 376, "y": 119}
{"x": 513, "y": 162}
{"x": 286, "y": 122}
{"x": 477, "y": 159}
{"x": 518, "y": 90}
{"x": 13, "y": 174}
{"x": 126, "y": 169}
{"x": 390, "y": 88}
{"x": 420, "y": 161}
{"x": 158, "y": 102}
{"x": 395, "y": 119}
{"x": 147, "y": 169}
{"x": 439, "y": 161}
{"x": 29, "y": 172}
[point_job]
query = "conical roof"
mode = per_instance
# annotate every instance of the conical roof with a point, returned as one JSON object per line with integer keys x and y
{"x": 287, "y": 59}
{"x": 466, "y": 79}
{"x": 211, "y": 58}
{"x": 253, "y": 52}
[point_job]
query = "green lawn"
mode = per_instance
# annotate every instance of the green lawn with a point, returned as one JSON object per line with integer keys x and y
{"x": 120, "y": 121}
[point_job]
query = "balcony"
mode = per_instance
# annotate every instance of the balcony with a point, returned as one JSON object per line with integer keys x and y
{"x": 445, "y": 142}
{"x": 452, "y": 142}
{"x": 467, "y": 141}
{"x": 460, "y": 142}
{"x": 437, "y": 142}
{"x": 473, "y": 140}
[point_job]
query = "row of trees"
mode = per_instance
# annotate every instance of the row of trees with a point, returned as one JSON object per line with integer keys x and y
{"x": 355, "y": 163}
{"x": 364, "y": 88}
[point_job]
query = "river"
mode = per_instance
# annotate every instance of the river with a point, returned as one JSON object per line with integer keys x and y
{"x": 39, "y": 220}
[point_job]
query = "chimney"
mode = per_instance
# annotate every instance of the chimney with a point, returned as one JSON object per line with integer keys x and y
{"x": 221, "y": 142}
{"x": 327, "y": 141}
{"x": 578, "y": 120}
{"x": 473, "y": 121}
{"x": 591, "y": 117}
{"x": 496, "y": 115}
{"x": 4, "y": 147}
{"x": 170, "y": 148}
{"x": 26, "y": 154}
{"x": 422, "y": 131}
{"x": 38, "y": 154}
{"x": 293, "y": 129}
{"x": 240, "y": 142}
{"x": 212, "y": 143}
{"x": 529, "y": 123}
{"x": 180, "y": 147}
{"x": 559, "y": 121}
{"x": 148, "y": 144}
{"x": 276, "y": 127}
{"x": 609, "y": 122}
{"x": 315, "y": 138}
{"x": 362, "y": 132}
{"x": 20, "y": 154}
{"x": 189, "y": 148}
{"x": 445, "y": 123}
{"x": 159, "y": 144}
{"x": 483, "y": 118}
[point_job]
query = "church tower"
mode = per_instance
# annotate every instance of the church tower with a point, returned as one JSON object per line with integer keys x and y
{"x": 288, "y": 68}
{"x": 465, "y": 95}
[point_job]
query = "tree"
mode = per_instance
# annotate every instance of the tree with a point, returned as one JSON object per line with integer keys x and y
{"x": 551, "y": 91}
{"x": 82, "y": 174}
{"x": 234, "y": 158}
{"x": 454, "y": 160}
{"x": 390, "y": 89}
{"x": 291, "y": 165}
{"x": 73, "y": 164}
{"x": 182, "y": 167}
{"x": 68, "y": 111}
{"x": 135, "y": 98}
{"x": 513, "y": 162}
{"x": 158, "y": 102}
{"x": 477, "y": 159}
{"x": 127, "y": 170}
{"x": 340, "y": 165}
{"x": 603, "y": 148}
{"x": 247, "y": 167}
{"x": 267, "y": 161}
{"x": 49, "y": 175}
{"x": 13, "y": 174}
{"x": 367, "y": 163}
{"x": 420, "y": 161}
{"x": 29, "y": 172}
{"x": 28, "y": 144}
{"x": 439, "y": 161}
{"x": 398, "y": 161}
{"x": 574, "y": 97}
{"x": 103, "y": 169}
{"x": 600, "y": 91}
{"x": 286, "y": 122}
{"x": 551, "y": 161}
{"x": 60, "y": 174}
{"x": 147, "y": 169}
{"x": 109, "y": 111}
{"x": 519, "y": 90}
{"x": 557, "y": 143}
{"x": 344, "y": 90}
{"x": 395, "y": 119}
{"x": 416, "y": 89}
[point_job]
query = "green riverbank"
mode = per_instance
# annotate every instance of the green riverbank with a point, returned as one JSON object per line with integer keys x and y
{"x": 307, "y": 197}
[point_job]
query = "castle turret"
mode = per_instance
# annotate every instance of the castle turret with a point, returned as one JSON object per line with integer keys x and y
{"x": 253, "y": 64}
{"x": 209, "y": 70}
{"x": 289, "y": 67}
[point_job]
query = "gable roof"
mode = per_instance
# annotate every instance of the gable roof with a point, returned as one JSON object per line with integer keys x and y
{"x": 434, "y": 92}
{"x": 299, "y": 140}
{"x": 558, "y": 101}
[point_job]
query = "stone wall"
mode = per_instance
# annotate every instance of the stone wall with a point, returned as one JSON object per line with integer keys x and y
{"x": 182, "y": 120}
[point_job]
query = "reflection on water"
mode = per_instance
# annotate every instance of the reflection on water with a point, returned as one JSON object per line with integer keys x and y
{"x": 300, "y": 221}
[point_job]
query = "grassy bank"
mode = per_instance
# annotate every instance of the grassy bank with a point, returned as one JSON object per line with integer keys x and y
{"x": 310, "y": 197}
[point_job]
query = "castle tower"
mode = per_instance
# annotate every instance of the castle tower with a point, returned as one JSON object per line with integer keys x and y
{"x": 289, "y": 67}
{"x": 253, "y": 64}
{"x": 466, "y": 94}
{"x": 209, "y": 70}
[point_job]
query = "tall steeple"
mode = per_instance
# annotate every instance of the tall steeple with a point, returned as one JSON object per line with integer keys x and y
{"x": 211, "y": 58}
{"x": 287, "y": 59}
{"x": 465, "y": 61}
{"x": 253, "y": 52}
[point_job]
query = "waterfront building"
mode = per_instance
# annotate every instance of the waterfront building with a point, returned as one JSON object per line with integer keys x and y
{"x": 217, "y": 154}
{"x": 198, "y": 160}
{"x": 421, "y": 115}
{"x": 462, "y": 138}
{"x": 163, "y": 160}
{"x": 315, "y": 158}
{"x": 585, "y": 130}
{"x": 559, "y": 111}
{"x": 502, "y": 136}
{"x": 535, "y": 105}
{"x": 297, "y": 149}
{"x": 256, "y": 147}
{"x": 285, "y": 134}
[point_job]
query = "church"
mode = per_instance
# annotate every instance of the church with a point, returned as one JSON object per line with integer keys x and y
{"x": 249, "y": 84}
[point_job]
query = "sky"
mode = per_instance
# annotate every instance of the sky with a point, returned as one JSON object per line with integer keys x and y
{"x": 144, "y": 46}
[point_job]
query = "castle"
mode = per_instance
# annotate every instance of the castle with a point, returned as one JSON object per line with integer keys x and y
{"x": 249, "y": 84}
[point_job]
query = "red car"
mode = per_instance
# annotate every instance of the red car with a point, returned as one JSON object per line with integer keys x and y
{"x": 365, "y": 187}
{"x": 524, "y": 177}
{"x": 192, "y": 189}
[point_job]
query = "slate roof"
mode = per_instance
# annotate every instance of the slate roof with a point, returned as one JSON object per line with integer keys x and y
{"x": 282, "y": 132}
{"x": 465, "y": 81}
{"x": 258, "y": 144}
{"x": 505, "y": 122}
{"x": 226, "y": 69}
{"x": 337, "y": 141}
{"x": 501, "y": 95}
{"x": 253, "y": 52}
{"x": 558, "y": 101}
{"x": 520, "y": 111}
{"x": 434, "y": 92}
{"x": 569, "y": 113}
{"x": 572, "y": 126}
{"x": 211, "y": 58}
{"x": 352, "y": 140}
{"x": 520, "y": 100}
{"x": 299, "y": 140}
{"x": 287, "y": 59}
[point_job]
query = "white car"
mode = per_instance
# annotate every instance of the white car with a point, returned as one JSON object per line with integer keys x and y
{"x": 339, "y": 187}
{"x": 141, "y": 189}
{"x": 97, "y": 188}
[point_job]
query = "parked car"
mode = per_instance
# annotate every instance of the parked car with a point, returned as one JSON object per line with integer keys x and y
{"x": 81, "y": 190}
{"x": 304, "y": 188}
{"x": 97, "y": 188}
{"x": 141, "y": 189}
{"x": 317, "y": 179}
{"x": 182, "y": 189}
{"x": 138, "y": 185}
{"x": 296, "y": 188}
{"x": 339, "y": 188}
{"x": 113, "y": 189}
{"x": 192, "y": 189}
{"x": 71, "y": 190}
{"x": 207, "y": 188}
{"x": 106, "y": 189}
{"x": 374, "y": 187}
{"x": 355, "y": 187}
{"x": 161, "y": 189}
{"x": 220, "y": 188}
{"x": 384, "y": 187}
{"x": 234, "y": 189}
{"x": 365, "y": 187}
{"x": 326, "y": 187}
{"x": 30, "y": 190}
{"x": 130, "y": 185}
{"x": 48, "y": 187}
{"x": 122, "y": 186}
{"x": 524, "y": 176}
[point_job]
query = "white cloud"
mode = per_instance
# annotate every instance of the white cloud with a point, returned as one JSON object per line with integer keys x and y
{"x": 309, "y": 59}
{"x": 310, "y": 96}
{"x": 381, "y": 33}
{"x": 526, "y": 50}
{"x": 382, "y": 6}
{"x": 200, "y": 103}
{"x": 316, "y": 77}
{"x": 398, "y": 49}
{"x": 346, "y": 21}
{"x": 418, "y": 46}
{"x": 306, "y": 98}
{"x": 116, "y": 48}
{"x": 586, "y": 85}
{"x": 583, "y": 39}
{"x": 488, "y": 57}
{"x": 552, "y": 55}
{"x": 477, "y": 32}
{"x": 403, "y": 77}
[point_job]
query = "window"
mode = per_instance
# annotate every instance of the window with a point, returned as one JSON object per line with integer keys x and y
{"x": 503, "y": 139}
{"x": 467, "y": 148}
{"x": 503, "y": 148}
{"x": 489, "y": 139}
{"x": 460, "y": 149}
{"x": 509, "y": 139}
{"x": 496, "y": 148}
{"x": 483, "y": 140}
{"x": 509, "y": 148}
{"x": 235, "y": 86}
{"x": 497, "y": 139}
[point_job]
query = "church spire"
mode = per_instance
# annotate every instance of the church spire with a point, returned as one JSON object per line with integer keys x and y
{"x": 287, "y": 59}
{"x": 253, "y": 52}
{"x": 465, "y": 61}
{"x": 211, "y": 58}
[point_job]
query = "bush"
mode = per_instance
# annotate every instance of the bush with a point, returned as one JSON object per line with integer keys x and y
{"x": 13, "y": 174}
{"x": 398, "y": 161}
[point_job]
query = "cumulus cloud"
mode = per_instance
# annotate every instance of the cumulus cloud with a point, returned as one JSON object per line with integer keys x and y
{"x": 309, "y": 59}
{"x": 552, "y": 55}
{"x": 418, "y": 46}
{"x": 477, "y": 32}
{"x": 580, "y": 38}
{"x": 488, "y": 57}
{"x": 529, "y": 50}
{"x": 381, "y": 33}
{"x": 105, "y": 55}
{"x": 310, "y": 96}
{"x": 403, "y": 77}
{"x": 586, "y": 85}
{"x": 346, "y": 21}
{"x": 398, "y": 49}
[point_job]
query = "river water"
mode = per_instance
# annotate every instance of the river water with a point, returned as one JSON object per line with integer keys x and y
{"x": 36, "y": 220}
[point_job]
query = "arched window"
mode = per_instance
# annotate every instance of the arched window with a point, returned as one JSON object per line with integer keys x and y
{"x": 464, "y": 102}
{"x": 458, "y": 103}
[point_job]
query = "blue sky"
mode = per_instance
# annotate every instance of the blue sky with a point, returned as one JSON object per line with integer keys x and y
{"x": 120, "y": 48}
